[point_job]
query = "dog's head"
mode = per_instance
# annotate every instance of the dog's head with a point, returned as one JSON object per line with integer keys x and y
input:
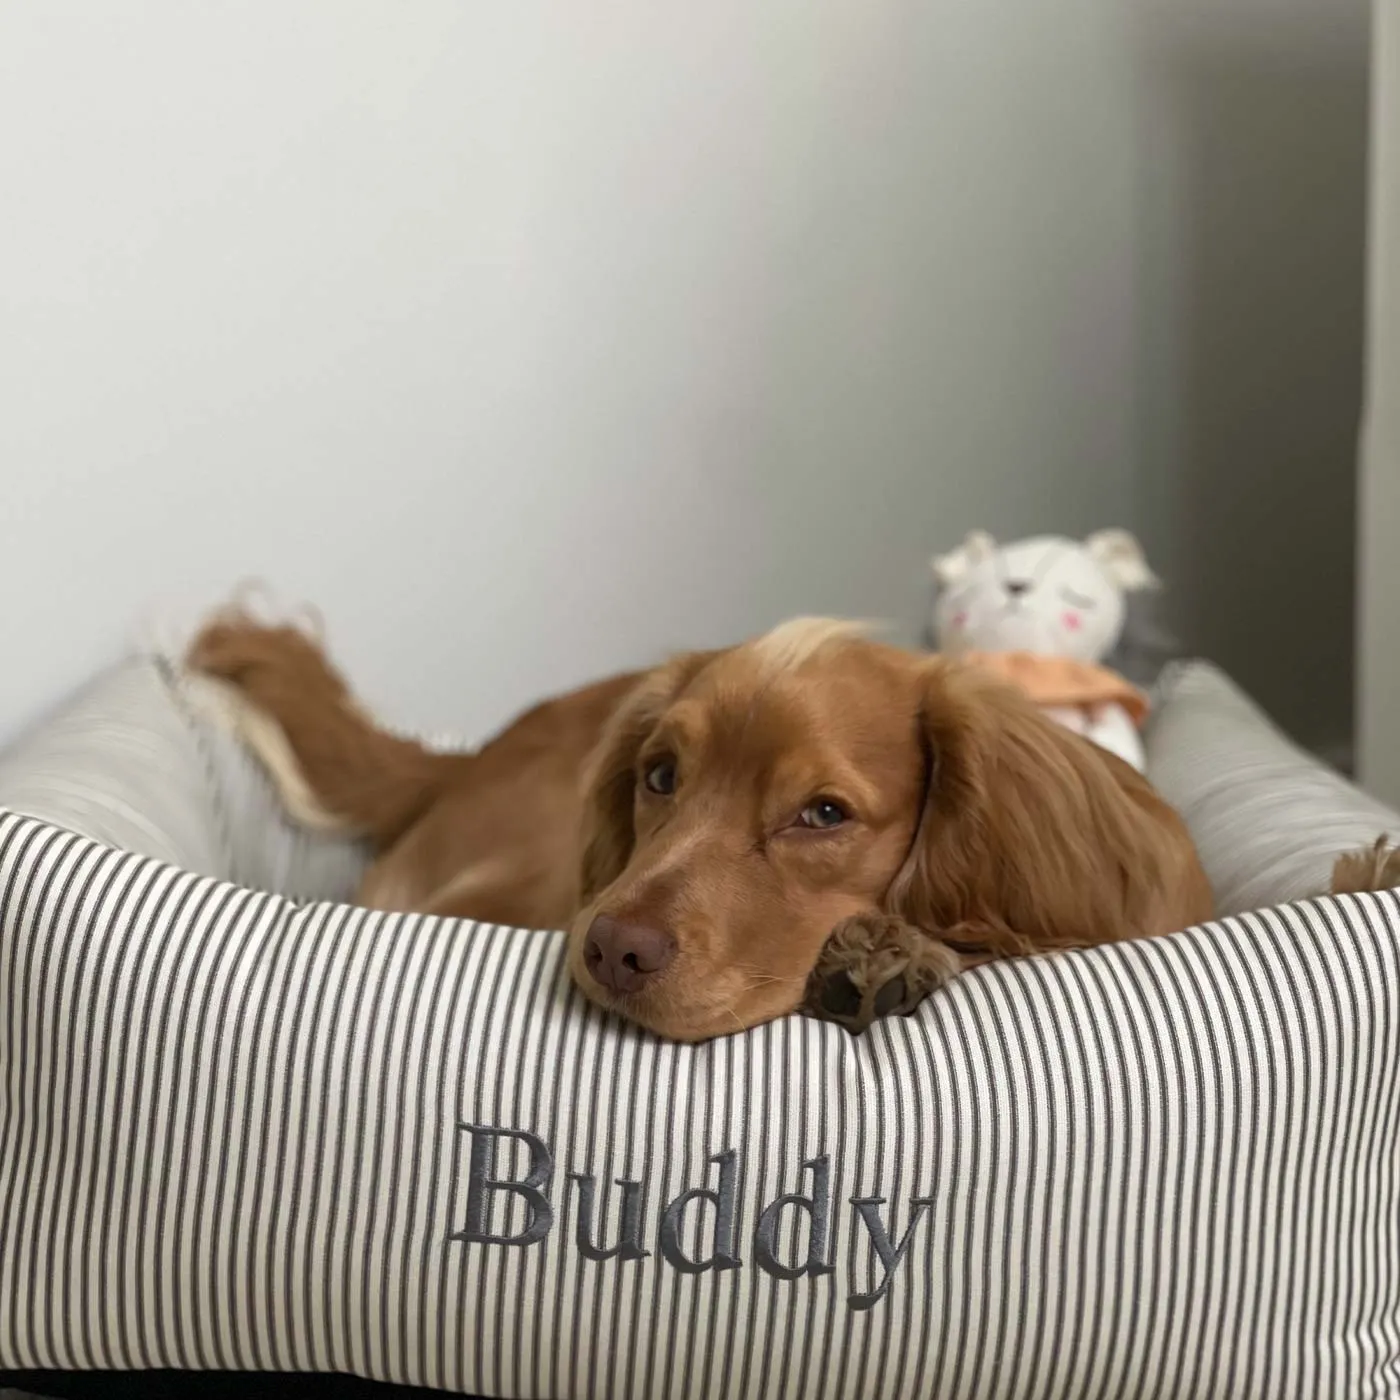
{"x": 743, "y": 803}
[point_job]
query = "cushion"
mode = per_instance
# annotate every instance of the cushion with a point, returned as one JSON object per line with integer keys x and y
{"x": 1268, "y": 819}
{"x": 247, "y": 1130}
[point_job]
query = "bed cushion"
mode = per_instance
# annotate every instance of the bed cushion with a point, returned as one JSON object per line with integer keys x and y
{"x": 1268, "y": 819}
{"x": 245, "y": 1131}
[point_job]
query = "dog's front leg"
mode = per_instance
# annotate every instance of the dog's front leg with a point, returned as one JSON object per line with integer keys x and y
{"x": 877, "y": 965}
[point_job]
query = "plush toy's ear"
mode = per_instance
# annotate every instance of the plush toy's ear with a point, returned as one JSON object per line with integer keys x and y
{"x": 1120, "y": 556}
{"x": 952, "y": 568}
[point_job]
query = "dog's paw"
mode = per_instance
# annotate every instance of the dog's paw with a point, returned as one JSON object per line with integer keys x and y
{"x": 875, "y": 965}
{"x": 1377, "y": 867}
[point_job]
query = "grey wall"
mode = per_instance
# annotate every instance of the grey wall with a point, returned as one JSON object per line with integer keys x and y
{"x": 531, "y": 339}
{"x": 1379, "y": 708}
{"x": 1253, "y": 182}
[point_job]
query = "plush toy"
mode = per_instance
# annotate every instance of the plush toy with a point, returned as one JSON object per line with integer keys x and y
{"x": 1044, "y": 612}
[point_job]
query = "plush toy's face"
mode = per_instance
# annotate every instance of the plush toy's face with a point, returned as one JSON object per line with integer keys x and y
{"x": 1048, "y": 595}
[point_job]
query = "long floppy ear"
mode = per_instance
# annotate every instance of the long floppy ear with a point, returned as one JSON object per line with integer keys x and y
{"x": 952, "y": 568}
{"x": 1120, "y": 556}
{"x": 610, "y": 781}
{"x": 1028, "y": 841}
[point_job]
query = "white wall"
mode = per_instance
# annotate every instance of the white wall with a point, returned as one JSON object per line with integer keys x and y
{"x": 531, "y": 339}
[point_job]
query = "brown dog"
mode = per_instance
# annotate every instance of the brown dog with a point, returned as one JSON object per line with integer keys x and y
{"x": 729, "y": 831}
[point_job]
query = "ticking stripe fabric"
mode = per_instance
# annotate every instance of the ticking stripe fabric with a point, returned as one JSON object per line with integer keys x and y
{"x": 245, "y": 1131}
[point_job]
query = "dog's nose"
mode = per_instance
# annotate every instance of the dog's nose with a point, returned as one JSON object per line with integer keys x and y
{"x": 622, "y": 957}
{"x": 1017, "y": 586}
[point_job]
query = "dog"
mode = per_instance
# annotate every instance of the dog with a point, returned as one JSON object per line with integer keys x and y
{"x": 808, "y": 820}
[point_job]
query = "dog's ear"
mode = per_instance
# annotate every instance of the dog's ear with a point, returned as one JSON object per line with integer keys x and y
{"x": 1025, "y": 842}
{"x": 1120, "y": 556}
{"x": 610, "y": 782}
{"x": 952, "y": 568}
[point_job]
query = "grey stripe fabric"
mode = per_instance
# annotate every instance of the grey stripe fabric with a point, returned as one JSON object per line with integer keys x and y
{"x": 244, "y": 1131}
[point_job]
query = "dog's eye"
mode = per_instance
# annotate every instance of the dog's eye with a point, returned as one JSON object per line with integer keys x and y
{"x": 660, "y": 777}
{"x": 822, "y": 815}
{"x": 1077, "y": 600}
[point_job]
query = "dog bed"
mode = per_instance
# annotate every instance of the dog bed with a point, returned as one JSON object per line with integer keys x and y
{"x": 245, "y": 1127}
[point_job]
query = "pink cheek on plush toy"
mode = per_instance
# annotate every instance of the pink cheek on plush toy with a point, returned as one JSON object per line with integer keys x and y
{"x": 1072, "y": 621}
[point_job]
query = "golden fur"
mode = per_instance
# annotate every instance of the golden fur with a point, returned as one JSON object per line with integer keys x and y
{"x": 1375, "y": 868}
{"x": 975, "y": 827}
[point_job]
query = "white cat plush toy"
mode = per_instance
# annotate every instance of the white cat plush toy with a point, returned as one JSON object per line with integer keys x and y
{"x": 1044, "y": 612}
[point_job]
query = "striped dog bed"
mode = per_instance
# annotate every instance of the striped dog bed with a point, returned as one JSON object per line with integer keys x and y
{"x": 245, "y": 1127}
